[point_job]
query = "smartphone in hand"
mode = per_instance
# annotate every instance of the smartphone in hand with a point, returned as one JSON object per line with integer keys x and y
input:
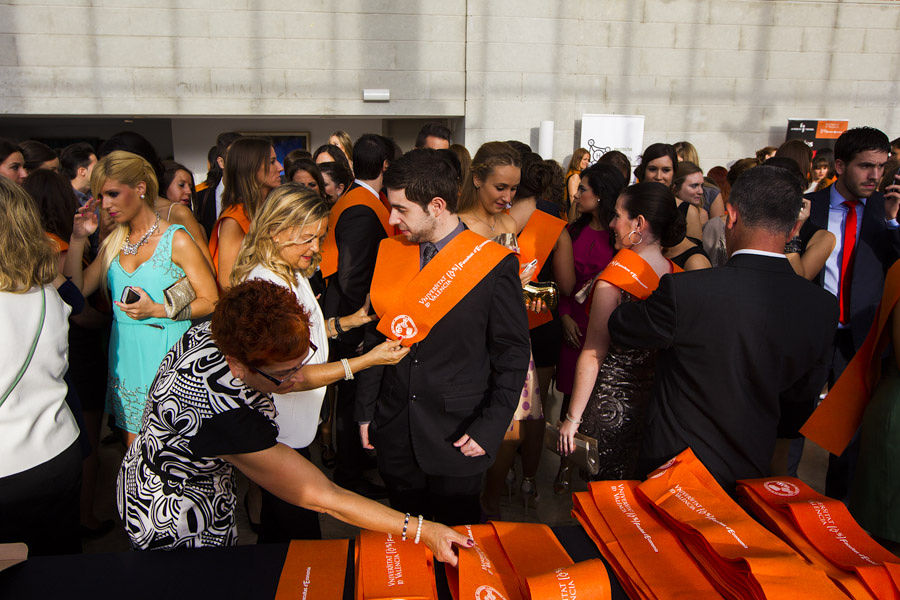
{"x": 129, "y": 296}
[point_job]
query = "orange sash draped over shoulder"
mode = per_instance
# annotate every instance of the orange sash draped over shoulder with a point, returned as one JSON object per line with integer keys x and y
{"x": 61, "y": 244}
{"x": 833, "y": 424}
{"x": 358, "y": 196}
{"x": 235, "y": 212}
{"x": 409, "y": 301}
{"x": 536, "y": 241}
{"x": 313, "y": 569}
{"x": 629, "y": 272}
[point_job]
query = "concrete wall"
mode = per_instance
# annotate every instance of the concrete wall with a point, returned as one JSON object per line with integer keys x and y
{"x": 724, "y": 74}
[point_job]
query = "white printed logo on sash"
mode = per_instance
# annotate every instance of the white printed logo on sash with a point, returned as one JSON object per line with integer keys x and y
{"x": 785, "y": 489}
{"x": 404, "y": 327}
{"x": 486, "y": 592}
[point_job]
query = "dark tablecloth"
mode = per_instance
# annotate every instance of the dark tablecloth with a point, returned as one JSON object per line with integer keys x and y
{"x": 245, "y": 572}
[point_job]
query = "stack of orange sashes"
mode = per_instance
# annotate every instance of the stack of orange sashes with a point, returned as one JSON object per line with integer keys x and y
{"x": 740, "y": 556}
{"x": 522, "y": 561}
{"x": 313, "y": 569}
{"x": 823, "y": 531}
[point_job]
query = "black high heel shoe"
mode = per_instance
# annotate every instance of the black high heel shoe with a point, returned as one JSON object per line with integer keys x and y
{"x": 563, "y": 482}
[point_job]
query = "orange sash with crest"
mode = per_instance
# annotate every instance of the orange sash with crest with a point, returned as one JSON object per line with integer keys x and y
{"x": 629, "y": 272}
{"x": 313, "y": 569}
{"x": 409, "y": 301}
{"x": 358, "y": 196}
{"x": 536, "y": 241}
{"x": 743, "y": 559}
{"x": 825, "y": 525}
{"x": 388, "y": 568}
{"x": 235, "y": 212}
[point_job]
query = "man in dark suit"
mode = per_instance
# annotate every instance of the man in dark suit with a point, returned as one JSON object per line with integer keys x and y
{"x": 864, "y": 224}
{"x": 438, "y": 417}
{"x": 355, "y": 230}
{"x": 736, "y": 343}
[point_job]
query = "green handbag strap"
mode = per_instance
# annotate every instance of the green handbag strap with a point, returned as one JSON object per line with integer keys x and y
{"x": 34, "y": 343}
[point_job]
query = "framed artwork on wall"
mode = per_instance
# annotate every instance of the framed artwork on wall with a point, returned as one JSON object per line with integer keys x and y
{"x": 284, "y": 142}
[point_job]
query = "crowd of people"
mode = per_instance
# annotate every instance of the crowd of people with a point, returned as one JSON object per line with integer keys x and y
{"x": 411, "y": 313}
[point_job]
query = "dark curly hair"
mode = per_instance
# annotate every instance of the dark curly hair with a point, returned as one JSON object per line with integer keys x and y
{"x": 260, "y": 323}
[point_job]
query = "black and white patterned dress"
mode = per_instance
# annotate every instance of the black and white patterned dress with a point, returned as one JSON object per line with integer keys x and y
{"x": 172, "y": 491}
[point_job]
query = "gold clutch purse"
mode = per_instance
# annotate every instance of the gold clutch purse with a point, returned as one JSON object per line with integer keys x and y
{"x": 178, "y": 296}
{"x": 586, "y": 456}
{"x": 548, "y": 292}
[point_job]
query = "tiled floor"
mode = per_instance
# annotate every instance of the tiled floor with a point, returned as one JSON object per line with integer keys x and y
{"x": 550, "y": 509}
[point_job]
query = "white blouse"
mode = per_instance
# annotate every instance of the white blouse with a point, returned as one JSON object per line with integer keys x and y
{"x": 298, "y": 412}
{"x": 36, "y": 424}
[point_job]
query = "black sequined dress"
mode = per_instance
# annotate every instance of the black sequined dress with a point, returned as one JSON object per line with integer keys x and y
{"x": 616, "y": 410}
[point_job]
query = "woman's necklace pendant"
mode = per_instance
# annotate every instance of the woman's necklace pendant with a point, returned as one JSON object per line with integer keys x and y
{"x": 130, "y": 249}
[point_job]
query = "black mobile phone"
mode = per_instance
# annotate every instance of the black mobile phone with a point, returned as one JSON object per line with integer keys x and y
{"x": 129, "y": 296}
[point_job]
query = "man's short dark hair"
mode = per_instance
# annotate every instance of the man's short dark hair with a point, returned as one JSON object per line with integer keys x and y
{"x": 224, "y": 140}
{"x": 73, "y": 157}
{"x": 432, "y": 130}
{"x": 369, "y": 153}
{"x": 767, "y": 197}
{"x": 424, "y": 174}
{"x": 860, "y": 139}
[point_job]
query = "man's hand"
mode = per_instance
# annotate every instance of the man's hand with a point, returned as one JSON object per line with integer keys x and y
{"x": 892, "y": 199}
{"x": 468, "y": 446}
{"x": 364, "y": 436}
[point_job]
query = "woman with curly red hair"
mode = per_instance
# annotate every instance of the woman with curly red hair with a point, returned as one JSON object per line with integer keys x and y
{"x": 210, "y": 409}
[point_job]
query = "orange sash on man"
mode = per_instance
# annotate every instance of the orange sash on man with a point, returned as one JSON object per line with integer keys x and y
{"x": 409, "y": 301}
{"x": 536, "y": 241}
{"x": 236, "y": 212}
{"x": 358, "y": 196}
{"x": 313, "y": 569}
{"x": 837, "y": 418}
{"x": 743, "y": 558}
{"x": 826, "y": 525}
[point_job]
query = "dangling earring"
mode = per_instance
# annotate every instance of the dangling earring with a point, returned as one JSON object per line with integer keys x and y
{"x": 640, "y": 237}
{"x": 142, "y": 196}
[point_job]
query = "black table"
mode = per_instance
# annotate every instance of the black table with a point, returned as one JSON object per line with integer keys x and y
{"x": 245, "y": 572}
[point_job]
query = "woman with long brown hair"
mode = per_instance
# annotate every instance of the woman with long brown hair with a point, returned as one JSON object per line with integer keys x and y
{"x": 581, "y": 158}
{"x": 252, "y": 171}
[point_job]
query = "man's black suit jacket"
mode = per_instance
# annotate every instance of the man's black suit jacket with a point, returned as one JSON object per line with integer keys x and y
{"x": 464, "y": 378}
{"x": 358, "y": 232}
{"x": 735, "y": 343}
{"x": 876, "y": 249}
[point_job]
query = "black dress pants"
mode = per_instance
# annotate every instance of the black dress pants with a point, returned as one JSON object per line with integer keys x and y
{"x": 40, "y": 506}
{"x": 447, "y": 499}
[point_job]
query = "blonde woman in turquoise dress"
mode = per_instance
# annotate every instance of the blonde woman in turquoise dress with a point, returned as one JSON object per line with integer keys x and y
{"x": 146, "y": 254}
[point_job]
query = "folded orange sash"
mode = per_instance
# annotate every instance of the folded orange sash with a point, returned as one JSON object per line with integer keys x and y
{"x": 524, "y": 561}
{"x": 742, "y": 557}
{"x": 409, "y": 301}
{"x": 358, "y": 196}
{"x": 235, "y": 212}
{"x": 833, "y": 424}
{"x": 827, "y": 525}
{"x": 536, "y": 241}
{"x": 313, "y": 569}
{"x": 629, "y": 272}
{"x": 390, "y": 569}
{"x": 648, "y": 559}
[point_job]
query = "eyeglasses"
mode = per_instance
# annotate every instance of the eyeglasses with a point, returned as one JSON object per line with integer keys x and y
{"x": 280, "y": 381}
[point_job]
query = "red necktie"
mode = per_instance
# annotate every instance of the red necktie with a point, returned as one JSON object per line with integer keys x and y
{"x": 846, "y": 257}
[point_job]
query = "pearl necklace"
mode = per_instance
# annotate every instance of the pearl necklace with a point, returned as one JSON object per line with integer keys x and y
{"x": 132, "y": 249}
